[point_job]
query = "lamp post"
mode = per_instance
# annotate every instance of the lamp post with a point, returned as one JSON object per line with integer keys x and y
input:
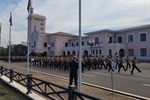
{"x": 91, "y": 44}
{"x": 49, "y": 46}
{"x": 101, "y": 45}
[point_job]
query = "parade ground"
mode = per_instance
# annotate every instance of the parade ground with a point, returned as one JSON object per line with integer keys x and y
{"x": 98, "y": 82}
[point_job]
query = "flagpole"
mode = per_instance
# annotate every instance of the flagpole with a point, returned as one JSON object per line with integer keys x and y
{"x": 28, "y": 44}
{"x": 10, "y": 38}
{"x": 80, "y": 50}
{"x": 0, "y": 37}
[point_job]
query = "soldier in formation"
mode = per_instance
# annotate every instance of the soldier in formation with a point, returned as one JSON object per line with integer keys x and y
{"x": 88, "y": 63}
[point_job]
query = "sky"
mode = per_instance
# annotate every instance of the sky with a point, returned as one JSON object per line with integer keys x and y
{"x": 63, "y": 15}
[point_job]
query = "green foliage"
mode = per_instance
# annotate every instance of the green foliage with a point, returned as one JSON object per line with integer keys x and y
{"x": 3, "y": 51}
{"x": 17, "y": 50}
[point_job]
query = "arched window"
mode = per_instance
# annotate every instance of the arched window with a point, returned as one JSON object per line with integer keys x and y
{"x": 110, "y": 52}
{"x": 110, "y": 39}
{"x": 45, "y": 44}
{"x": 130, "y": 38}
{"x": 76, "y": 43}
{"x": 66, "y": 44}
{"x": 82, "y": 42}
{"x": 143, "y": 37}
{"x": 72, "y": 44}
{"x": 96, "y": 40}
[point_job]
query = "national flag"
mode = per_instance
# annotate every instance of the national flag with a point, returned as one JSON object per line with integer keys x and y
{"x": 10, "y": 20}
{"x": 0, "y": 27}
{"x": 116, "y": 53}
{"x": 29, "y": 5}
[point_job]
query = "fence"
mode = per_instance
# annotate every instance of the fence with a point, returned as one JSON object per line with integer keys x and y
{"x": 45, "y": 88}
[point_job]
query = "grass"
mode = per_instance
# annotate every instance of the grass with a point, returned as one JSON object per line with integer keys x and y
{"x": 9, "y": 93}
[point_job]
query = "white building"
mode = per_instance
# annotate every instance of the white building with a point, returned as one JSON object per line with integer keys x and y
{"x": 131, "y": 42}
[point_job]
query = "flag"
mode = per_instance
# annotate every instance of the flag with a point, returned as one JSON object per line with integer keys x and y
{"x": 116, "y": 53}
{"x": 29, "y": 5}
{"x": 10, "y": 20}
{"x": 0, "y": 27}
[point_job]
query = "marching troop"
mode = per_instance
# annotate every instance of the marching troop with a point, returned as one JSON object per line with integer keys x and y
{"x": 88, "y": 63}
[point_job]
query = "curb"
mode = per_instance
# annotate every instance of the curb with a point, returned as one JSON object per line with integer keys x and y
{"x": 19, "y": 88}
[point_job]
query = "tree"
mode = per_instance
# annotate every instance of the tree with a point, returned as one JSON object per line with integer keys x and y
{"x": 33, "y": 54}
{"x": 17, "y": 50}
{"x": 3, "y": 51}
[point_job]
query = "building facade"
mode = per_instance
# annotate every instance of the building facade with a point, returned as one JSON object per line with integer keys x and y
{"x": 134, "y": 41}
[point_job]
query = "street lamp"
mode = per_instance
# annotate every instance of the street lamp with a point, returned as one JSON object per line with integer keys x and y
{"x": 49, "y": 47}
{"x": 91, "y": 44}
{"x": 101, "y": 45}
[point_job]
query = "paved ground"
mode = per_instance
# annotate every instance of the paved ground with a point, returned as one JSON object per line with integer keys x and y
{"x": 87, "y": 89}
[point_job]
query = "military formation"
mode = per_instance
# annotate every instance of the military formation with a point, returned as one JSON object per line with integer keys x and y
{"x": 88, "y": 63}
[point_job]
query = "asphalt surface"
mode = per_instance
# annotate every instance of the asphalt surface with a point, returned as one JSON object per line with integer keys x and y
{"x": 138, "y": 83}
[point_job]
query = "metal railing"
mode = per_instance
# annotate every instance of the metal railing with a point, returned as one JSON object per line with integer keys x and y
{"x": 45, "y": 88}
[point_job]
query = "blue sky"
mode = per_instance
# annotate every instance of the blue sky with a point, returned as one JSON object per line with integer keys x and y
{"x": 62, "y": 15}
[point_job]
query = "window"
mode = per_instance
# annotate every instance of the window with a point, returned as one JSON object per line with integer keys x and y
{"x": 82, "y": 42}
{"x": 110, "y": 52}
{"x": 45, "y": 44}
{"x": 131, "y": 52}
{"x": 130, "y": 38}
{"x": 41, "y": 24}
{"x": 119, "y": 39}
{"x": 100, "y": 52}
{"x": 66, "y": 44}
{"x": 72, "y": 44}
{"x": 87, "y": 42}
{"x": 143, "y": 52}
{"x": 143, "y": 37}
{"x": 52, "y": 44}
{"x": 93, "y": 51}
{"x": 76, "y": 43}
{"x": 42, "y": 29}
{"x": 96, "y": 51}
{"x": 110, "y": 39}
{"x": 96, "y": 40}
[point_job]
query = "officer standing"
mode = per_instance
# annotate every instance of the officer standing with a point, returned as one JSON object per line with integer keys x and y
{"x": 73, "y": 64}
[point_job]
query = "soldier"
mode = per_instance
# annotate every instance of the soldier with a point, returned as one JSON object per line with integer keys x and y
{"x": 127, "y": 63}
{"x": 121, "y": 64}
{"x": 102, "y": 60}
{"x": 65, "y": 64}
{"x": 89, "y": 64}
{"x": 117, "y": 62}
{"x": 95, "y": 63}
{"x": 107, "y": 62}
{"x": 134, "y": 61}
{"x": 83, "y": 65}
{"x": 110, "y": 59}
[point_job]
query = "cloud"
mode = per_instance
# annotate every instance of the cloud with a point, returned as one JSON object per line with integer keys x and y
{"x": 63, "y": 15}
